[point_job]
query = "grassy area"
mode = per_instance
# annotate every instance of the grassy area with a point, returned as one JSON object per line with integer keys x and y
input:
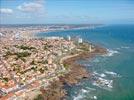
{"x": 24, "y": 47}
{"x": 8, "y": 53}
{"x": 4, "y": 79}
{"x": 22, "y": 54}
{"x": 66, "y": 66}
{"x": 43, "y": 62}
{"x": 39, "y": 97}
{"x": 18, "y": 54}
{"x": 46, "y": 47}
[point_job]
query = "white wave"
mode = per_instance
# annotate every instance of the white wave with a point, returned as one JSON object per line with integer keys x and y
{"x": 125, "y": 47}
{"x": 101, "y": 75}
{"x": 103, "y": 83}
{"x": 102, "y": 87}
{"x": 112, "y": 73}
{"x": 118, "y": 48}
{"x": 80, "y": 95}
{"x": 95, "y": 97}
{"x": 84, "y": 90}
{"x": 111, "y": 52}
{"x": 91, "y": 89}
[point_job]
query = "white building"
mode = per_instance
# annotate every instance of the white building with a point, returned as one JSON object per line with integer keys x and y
{"x": 80, "y": 40}
{"x": 1, "y": 34}
{"x": 69, "y": 38}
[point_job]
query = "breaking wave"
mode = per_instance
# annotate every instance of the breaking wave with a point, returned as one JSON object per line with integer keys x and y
{"x": 111, "y": 52}
{"x": 125, "y": 47}
{"x": 82, "y": 94}
{"x": 112, "y": 73}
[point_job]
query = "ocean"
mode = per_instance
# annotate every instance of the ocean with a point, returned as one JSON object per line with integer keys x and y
{"x": 117, "y": 65}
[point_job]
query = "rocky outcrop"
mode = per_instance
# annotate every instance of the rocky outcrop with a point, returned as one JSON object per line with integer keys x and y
{"x": 77, "y": 72}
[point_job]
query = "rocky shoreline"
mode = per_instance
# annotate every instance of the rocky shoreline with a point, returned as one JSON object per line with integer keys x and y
{"x": 77, "y": 72}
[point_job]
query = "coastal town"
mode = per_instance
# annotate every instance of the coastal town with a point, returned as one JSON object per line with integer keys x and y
{"x": 66, "y": 49}
{"x": 28, "y": 64}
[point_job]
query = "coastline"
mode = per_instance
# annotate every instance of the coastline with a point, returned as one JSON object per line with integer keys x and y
{"x": 76, "y": 73}
{"x": 34, "y": 34}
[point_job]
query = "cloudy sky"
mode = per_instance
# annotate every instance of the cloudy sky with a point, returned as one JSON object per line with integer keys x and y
{"x": 66, "y": 11}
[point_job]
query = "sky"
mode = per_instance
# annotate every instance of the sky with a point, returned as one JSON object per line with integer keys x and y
{"x": 66, "y": 11}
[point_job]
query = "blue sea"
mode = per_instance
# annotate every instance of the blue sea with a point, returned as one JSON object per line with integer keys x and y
{"x": 117, "y": 65}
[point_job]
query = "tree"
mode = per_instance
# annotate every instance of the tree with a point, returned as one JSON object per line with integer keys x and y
{"x": 39, "y": 97}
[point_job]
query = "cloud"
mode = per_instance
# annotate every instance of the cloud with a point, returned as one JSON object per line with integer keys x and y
{"x": 6, "y": 11}
{"x": 31, "y": 7}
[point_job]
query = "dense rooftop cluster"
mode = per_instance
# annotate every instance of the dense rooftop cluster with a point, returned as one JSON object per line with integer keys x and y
{"x": 28, "y": 64}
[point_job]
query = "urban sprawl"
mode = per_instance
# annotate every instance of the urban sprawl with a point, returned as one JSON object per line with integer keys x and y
{"x": 28, "y": 63}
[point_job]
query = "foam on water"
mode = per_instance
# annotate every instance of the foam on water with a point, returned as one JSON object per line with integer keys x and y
{"x": 84, "y": 90}
{"x": 118, "y": 48}
{"x": 103, "y": 81}
{"x": 112, "y": 73}
{"x": 91, "y": 89}
{"x": 102, "y": 86}
{"x": 82, "y": 94}
{"x": 95, "y": 97}
{"x": 79, "y": 97}
{"x": 125, "y": 47}
{"x": 111, "y": 52}
{"x": 101, "y": 75}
